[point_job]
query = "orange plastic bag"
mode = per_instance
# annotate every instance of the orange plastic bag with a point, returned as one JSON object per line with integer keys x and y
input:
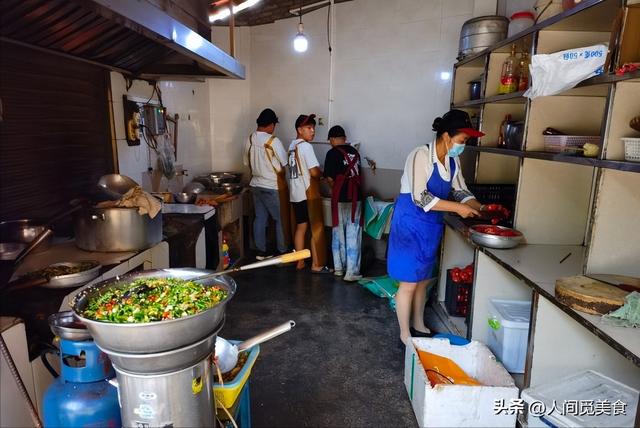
{"x": 442, "y": 370}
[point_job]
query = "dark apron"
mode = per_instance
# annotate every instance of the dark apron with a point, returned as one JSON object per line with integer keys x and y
{"x": 353, "y": 180}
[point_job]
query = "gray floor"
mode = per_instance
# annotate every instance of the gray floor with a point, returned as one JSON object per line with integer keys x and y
{"x": 340, "y": 366}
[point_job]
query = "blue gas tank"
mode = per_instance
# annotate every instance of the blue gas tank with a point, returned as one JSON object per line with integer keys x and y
{"x": 81, "y": 395}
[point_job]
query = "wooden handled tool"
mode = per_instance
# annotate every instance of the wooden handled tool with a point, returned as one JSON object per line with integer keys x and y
{"x": 285, "y": 258}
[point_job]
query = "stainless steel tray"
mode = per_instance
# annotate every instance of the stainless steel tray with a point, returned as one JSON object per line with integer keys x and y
{"x": 74, "y": 279}
{"x": 495, "y": 241}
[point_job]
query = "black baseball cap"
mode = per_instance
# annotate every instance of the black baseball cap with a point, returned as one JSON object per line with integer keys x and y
{"x": 267, "y": 117}
{"x": 304, "y": 120}
{"x": 337, "y": 131}
{"x": 456, "y": 120}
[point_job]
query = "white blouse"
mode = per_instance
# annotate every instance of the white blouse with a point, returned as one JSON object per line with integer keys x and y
{"x": 417, "y": 172}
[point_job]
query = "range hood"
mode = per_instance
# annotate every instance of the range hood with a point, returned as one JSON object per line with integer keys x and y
{"x": 130, "y": 36}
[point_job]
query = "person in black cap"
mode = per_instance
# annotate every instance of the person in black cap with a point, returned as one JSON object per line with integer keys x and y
{"x": 431, "y": 176}
{"x": 304, "y": 192}
{"x": 342, "y": 171}
{"x": 265, "y": 156}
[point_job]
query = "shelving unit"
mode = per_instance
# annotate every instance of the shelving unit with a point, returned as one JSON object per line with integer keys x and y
{"x": 579, "y": 215}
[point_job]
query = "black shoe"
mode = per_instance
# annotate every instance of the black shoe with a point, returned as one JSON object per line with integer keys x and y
{"x": 417, "y": 333}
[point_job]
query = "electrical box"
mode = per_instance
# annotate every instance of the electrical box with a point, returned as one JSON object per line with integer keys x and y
{"x": 154, "y": 120}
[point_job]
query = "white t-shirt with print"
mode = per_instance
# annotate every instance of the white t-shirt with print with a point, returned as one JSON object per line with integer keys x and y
{"x": 264, "y": 164}
{"x": 299, "y": 166}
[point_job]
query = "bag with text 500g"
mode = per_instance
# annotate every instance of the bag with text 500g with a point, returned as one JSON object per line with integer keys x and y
{"x": 557, "y": 72}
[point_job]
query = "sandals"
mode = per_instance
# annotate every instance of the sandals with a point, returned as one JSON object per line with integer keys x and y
{"x": 323, "y": 271}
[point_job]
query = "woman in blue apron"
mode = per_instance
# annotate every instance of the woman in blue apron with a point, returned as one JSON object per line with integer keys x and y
{"x": 431, "y": 178}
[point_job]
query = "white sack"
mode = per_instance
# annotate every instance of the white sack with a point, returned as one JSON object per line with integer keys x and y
{"x": 557, "y": 72}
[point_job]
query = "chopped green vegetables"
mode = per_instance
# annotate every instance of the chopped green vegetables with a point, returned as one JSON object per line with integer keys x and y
{"x": 153, "y": 299}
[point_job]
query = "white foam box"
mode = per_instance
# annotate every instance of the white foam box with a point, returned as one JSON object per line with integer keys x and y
{"x": 459, "y": 405}
{"x": 587, "y": 387}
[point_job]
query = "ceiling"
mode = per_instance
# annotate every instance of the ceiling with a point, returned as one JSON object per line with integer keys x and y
{"x": 134, "y": 37}
{"x": 268, "y": 11}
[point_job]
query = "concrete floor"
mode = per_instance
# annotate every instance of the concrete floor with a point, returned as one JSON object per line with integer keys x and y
{"x": 341, "y": 364}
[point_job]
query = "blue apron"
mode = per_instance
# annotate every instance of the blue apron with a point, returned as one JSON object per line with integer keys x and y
{"x": 415, "y": 235}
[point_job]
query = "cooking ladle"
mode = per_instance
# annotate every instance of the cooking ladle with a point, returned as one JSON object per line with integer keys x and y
{"x": 227, "y": 353}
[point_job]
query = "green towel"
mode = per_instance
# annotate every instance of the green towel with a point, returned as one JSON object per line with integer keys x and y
{"x": 382, "y": 286}
{"x": 628, "y": 315}
{"x": 377, "y": 214}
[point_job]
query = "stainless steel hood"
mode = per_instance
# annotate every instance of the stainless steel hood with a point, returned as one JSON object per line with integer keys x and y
{"x": 131, "y": 36}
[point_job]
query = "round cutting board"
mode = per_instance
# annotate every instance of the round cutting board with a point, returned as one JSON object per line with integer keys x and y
{"x": 589, "y": 295}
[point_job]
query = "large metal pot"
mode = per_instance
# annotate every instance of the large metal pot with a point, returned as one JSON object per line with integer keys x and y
{"x": 24, "y": 231}
{"x": 479, "y": 33}
{"x": 182, "y": 398}
{"x": 116, "y": 229}
{"x": 155, "y": 336}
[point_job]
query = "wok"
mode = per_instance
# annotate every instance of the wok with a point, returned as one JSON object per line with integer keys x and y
{"x": 157, "y": 336}
{"x": 9, "y": 265}
{"x": 23, "y": 231}
{"x": 115, "y": 185}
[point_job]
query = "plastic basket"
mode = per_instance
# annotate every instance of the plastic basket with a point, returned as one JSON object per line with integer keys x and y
{"x": 583, "y": 387}
{"x": 504, "y": 194}
{"x": 631, "y": 149}
{"x": 457, "y": 296}
{"x": 508, "y": 331}
{"x": 565, "y": 143}
{"x": 228, "y": 394}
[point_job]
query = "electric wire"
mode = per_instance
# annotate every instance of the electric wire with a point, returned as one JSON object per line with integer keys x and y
{"x": 329, "y": 27}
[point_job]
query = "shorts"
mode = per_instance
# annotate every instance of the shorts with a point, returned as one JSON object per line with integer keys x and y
{"x": 301, "y": 211}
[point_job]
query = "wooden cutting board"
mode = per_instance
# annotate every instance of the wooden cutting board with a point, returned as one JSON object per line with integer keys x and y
{"x": 589, "y": 295}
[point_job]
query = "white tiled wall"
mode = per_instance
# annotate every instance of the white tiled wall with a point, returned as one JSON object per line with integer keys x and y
{"x": 190, "y": 100}
{"x": 232, "y": 118}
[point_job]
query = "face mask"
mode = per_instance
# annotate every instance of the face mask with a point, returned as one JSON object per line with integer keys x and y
{"x": 456, "y": 150}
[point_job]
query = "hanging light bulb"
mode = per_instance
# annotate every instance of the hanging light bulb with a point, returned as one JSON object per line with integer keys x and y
{"x": 300, "y": 41}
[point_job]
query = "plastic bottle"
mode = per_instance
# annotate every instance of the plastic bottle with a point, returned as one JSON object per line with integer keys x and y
{"x": 509, "y": 75}
{"x": 523, "y": 67}
{"x": 226, "y": 258}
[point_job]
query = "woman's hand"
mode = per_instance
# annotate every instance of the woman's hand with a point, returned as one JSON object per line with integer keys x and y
{"x": 465, "y": 211}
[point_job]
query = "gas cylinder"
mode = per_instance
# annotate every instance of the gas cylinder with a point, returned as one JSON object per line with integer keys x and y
{"x": 81, "y": 396}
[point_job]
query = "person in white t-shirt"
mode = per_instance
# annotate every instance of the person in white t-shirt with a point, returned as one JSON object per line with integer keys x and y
{"x": 304, "y": 192}
{"x": 265, "y": 156}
